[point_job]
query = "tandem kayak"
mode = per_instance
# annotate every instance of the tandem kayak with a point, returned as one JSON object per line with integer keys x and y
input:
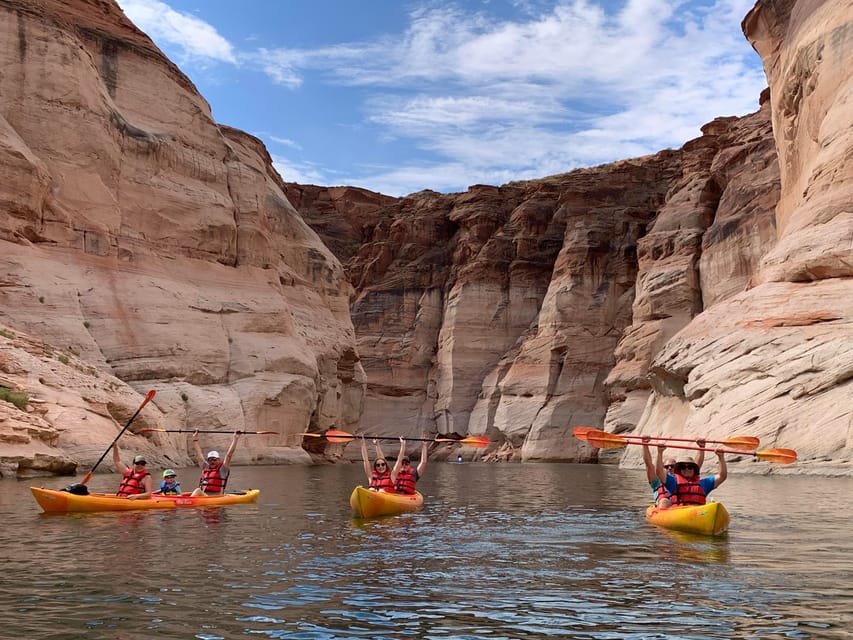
{"x": 709, "y": 519}
{"x": 367, "y": 503}
{"x": 53, "y": 501}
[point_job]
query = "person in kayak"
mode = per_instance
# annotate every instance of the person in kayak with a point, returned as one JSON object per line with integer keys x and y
{"x": 663, "y": 498}
{"x": 170, "y": 485}
{"x": 214, "y": 471}
{"x": 379, "y": 475}
{"x": 685, "y": 485}
{"x": 404, "y": 475}
{"x": 135, "y": 481}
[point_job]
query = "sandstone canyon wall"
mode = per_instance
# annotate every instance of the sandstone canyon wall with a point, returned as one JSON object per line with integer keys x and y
{"x": 703, "y": 291}
{"x": 698, "y": 292}
{"x": 143, "y": 246}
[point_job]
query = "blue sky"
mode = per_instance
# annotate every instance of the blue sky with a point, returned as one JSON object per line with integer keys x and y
{"x": 398, "y": 96}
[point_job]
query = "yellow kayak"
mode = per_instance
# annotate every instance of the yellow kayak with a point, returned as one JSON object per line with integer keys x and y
{"x": 367, "y": 503}
{"x": 709, "y": 519}
{"x": 53, "y": 501}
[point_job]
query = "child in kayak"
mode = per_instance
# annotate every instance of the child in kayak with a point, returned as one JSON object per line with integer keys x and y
{"x": 170, "y": 485}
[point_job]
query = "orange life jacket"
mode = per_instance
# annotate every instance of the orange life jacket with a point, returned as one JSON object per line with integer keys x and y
{"x": 688, "y": 491}
{"x": 131, "y": 483}
{"x": 381, "y": 481}
{"x": 212, "y": 481}
{"x": 406, "y": 480}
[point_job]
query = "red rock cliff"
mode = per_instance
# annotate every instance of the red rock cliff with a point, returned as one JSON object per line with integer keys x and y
{"x": 144, "y": 246}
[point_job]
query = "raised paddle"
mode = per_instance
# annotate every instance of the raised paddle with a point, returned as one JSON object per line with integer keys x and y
{"x": 88, "y": 476}
{"x": 742, "y": 443}
{"x": 333, "y": 435}
{"x": 242, "y": 433}
{"x": 604, "y": 440}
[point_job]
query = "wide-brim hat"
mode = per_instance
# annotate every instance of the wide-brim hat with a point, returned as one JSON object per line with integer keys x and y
{"x": 687, "y": 461}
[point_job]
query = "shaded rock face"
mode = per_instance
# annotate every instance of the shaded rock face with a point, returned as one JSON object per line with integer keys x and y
{"x": 154, "y": 248}
{"x": 703, "y": 292}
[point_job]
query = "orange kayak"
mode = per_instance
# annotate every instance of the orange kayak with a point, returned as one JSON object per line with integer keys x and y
{"x": 367, "y": 503}
{"x": 709, "y": 519}
{"x": 53, "y": 501}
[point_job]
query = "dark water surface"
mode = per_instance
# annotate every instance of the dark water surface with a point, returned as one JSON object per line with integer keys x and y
{"x": 499, "y": 551}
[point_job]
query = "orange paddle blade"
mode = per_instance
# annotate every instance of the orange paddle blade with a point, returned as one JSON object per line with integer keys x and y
{"x": 581, "y": 432}
{"x": 338, "y": 436}
{"x": 477, "y": 442}
{"x": 782, "y": 456}
{"x": 604, "y": 440}
{"x": 742, "y": 443}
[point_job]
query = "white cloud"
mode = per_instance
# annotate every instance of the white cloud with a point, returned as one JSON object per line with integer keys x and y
{"x": 195, "y": 38}
{"x": 563, "y": 85}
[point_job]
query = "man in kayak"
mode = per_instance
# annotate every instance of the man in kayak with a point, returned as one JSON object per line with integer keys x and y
{"x": 404, "y": 475}
{"x": 379, "y": 476}
{"x": 214, "y": 471}
{"x": 135, "y": 481}
{"x": 663, "y": 498}
{"x": 685, "y": 485}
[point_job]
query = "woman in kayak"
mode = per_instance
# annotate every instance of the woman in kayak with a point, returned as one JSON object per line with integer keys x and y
{"x": 378, "y": 476}
{"x": 135, "y": 481}
{"x": 685, "y": 485}
{"x": 404, "y": 475}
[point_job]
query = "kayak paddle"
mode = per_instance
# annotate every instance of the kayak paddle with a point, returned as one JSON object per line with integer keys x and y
{"x": 242, "y": 433}
{"x": 604, "y": 440}
{"x": 332, "y": 435}
{"x": 88, "y": 476}
{"x": 742, "y": 443}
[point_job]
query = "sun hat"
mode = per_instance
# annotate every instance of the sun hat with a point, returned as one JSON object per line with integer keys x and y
{"x": 213, "y": 454}
{"x": 169, "y": 473}
{"x": 139, "y": 459}
{"x": 687, "y": 461}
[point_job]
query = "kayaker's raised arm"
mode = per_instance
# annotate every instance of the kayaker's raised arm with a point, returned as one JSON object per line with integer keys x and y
{"x": 424, "y": 454}
{"x": 659, "y": 470}
{"x": 720, "y": 478}
{"x": 226, "y": 462}
{"x": 700, "y": 458}
{"x": 119, "y": 465}
{"x": 365, "y": 459}
{"x": 199, "y": 456}
{"x": 399, "y": 460}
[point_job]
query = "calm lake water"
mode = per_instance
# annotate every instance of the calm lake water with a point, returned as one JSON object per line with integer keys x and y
{"x": 498, "y": 551}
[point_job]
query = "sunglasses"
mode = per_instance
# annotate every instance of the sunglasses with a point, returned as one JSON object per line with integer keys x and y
{"x": 380, "y": 464}
{"x": 141, "y": 464}
{"x": 668, "y": 466}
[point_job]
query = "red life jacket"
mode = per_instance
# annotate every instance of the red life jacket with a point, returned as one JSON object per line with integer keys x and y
{"x": 381, "y": 481}
{"x": 688, "y": 491}
{"x": 212, "y": 481}
{"x": 406, "y": 480}
{"x": 131, "y": 483}
{"x": 662, "y": 492}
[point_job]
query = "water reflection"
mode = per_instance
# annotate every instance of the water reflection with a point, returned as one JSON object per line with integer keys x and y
{"x": 498, "y": 551}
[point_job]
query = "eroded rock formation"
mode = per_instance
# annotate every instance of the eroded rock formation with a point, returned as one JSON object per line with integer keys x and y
{"x": 696, "y": 292}
{"x": 155, "y": 248}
